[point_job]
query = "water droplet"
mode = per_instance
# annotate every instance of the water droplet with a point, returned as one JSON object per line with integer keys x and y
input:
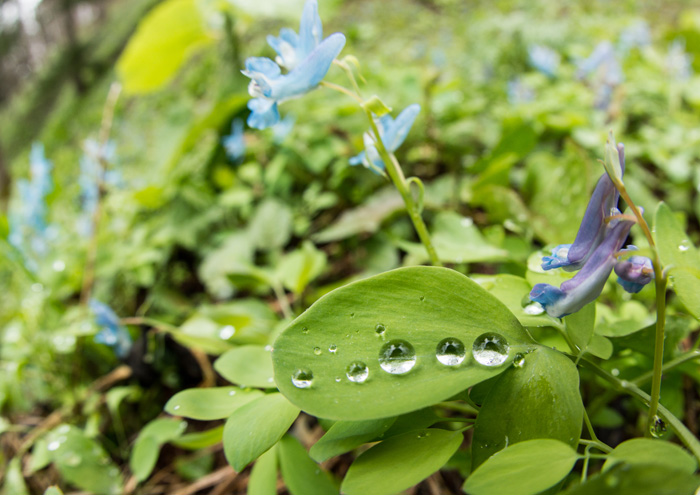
{"x": 615, "y": 372}
{"x": 268, "y": 348}
{"x": 397, "y": 357}
{"x": 519, "y": 360}
{"x": 467, "y": 222}
{"x": 72, "y": 460}
{"x": 658, "y": 427}
{"x": 332, "y": 348}
{"x": 352, "y": 315}
{"x": 59, "y": 265}
{"x": 684, "y": 245}
{"x": 337, "y": 379}
{"x": 380, "y": 330}
{"x": 63, "y": 429}
{"x": 175, "y": 408}
{"x": 317, "y": 351}
{"x": 232, "y": 393}
{"x": 450, "y": 352}
{"x": 422, "y": 298}
{"x": 270, "y": 380}
{"x": 357, "y": 372}
{"x": 53, "y": 445}
{"x": 227, "y": 332}
{"x": 304, "y": 330}
{"x": 490, "y": 349}
{"x": 302, "y": 378}
{"x": 533, "y": 309}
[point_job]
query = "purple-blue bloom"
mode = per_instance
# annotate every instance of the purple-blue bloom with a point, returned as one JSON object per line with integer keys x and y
{"x": 112, "y": 332}
{"x": 393, "y": 133}
{"x": 544, "y": 59}
{"x": 234, "y": 143}
{"x": 634, "y": 273}
{"x": 305, "y": 56}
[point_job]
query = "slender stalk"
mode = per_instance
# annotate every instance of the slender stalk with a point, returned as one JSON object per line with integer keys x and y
{"x": 660, "y": 283}
{"x": 284, "y": 302}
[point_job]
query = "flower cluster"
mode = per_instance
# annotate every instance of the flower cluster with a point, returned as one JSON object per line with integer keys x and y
{"x": 305, "y": 56}
{"x": 112, "y": 333}
{"x": 595, "y": 253}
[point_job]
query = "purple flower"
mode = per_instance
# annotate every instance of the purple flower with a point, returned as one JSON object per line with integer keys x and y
{"x": 634, "y": 273}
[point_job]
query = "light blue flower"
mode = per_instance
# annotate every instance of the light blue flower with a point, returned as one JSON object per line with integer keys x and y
{"x": 635, "y": 36}
{"x": 544, "y": 59}
{"x": 519, "y": 92}
{"x": 392, "y": 132}
{"x": 678, "y": 62}
{"x": 305, "y": 56}
{"x": 603, "y": 68}
{"x": 588, "y": 283}
{"x": 92, "y": 175}
{"x": 112, "y": 332}
{"x": 634, "y": 273}
{"x": 234, "y": 143}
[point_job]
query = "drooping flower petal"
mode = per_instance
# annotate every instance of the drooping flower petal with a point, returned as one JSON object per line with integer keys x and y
{"x": 588, "y": 283}
{"x": 263, "y": 114}
{"x": 634, "y": 273}
{"x": 310, "y": 29}
{"x": 397, "y": 132}
{"x": 286, "y": 47}
{"x": 558, "y": 259}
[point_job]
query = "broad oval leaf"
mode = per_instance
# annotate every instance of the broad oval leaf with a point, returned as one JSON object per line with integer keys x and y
{"x": 254, "y": 428}
{"x": 525, "y": 468}
{"x": 209, "y": 403}
{"x": 400, "y": 462}
{"x": 248, "y": 365}
{"x": 648, "y": 451}
{"x": 419, "y": 305}
{"x": 638, "y": 479}
{"x": 538, "y": 399}
{"x": 301, "y": 474}
{"x": 344, "y": 436}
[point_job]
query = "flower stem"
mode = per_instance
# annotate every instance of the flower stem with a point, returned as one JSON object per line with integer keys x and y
{"x": 660, "y": 283}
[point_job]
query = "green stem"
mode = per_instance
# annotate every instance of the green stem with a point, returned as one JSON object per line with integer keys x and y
{"x": 660, "y": 283}
{"x": 597, "y": 444}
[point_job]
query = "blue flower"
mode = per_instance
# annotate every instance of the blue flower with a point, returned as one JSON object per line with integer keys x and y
{"x": 634, "y": 273}
{"x": 112, "y": 332}
{"x": 305, "y": 56}
{"x": 234, "y": 143}
{"x": 588, "y": 283}
{"x": 544, "y": 59}
{"x": 392, "y": 132}
{"x": 283, "y": 128}
{"x": 519, "y": 92}
{"x": 92, "y": 175}
{"x": 678, "y": 62}
{"x": 606, "y": 70}
{"x": 635, "y": 36}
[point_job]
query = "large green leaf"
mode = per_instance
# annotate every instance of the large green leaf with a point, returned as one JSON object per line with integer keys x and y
{"x": 419, "y": 305}
{"x": 538, "y": 399}
{"x": 163, "y": 41}
{"x": 400, "y": 462}
{"x": 639, "y": 479}
{"x": 678, "y": 254}
{"x": 344, "y": 436}
{"x": 209, "y": 403}
{"x": 525, "y": 468}
{"x": 648, "y": 451}
{"x": 254, "y": 428}
{"x": 301, "y": 474}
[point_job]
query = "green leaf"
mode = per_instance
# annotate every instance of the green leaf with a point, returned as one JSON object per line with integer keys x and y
{"x": 14, "y": 481}
{"x": 200, "y": 439}
{"x": 41, "y": 456}
{"x": 345, "y": 436}
{"x": 458, "y": 240}
{"x": 53, "y": 490}
{"x": 647, "y": 451}
{"x": 83, "y": 462}
{"x": 600, "y": 346}
{"x": 376, "y": 106}
{"x": 525, "y": 468}
{"x": 271, "y": 225}
{"x": 580, "y": 325}
{"x": 540, "y": 399}
{"x": 678, "y": 255}
{"x": 263, "y": 476}
{"x": 248, "y": 365}
{"x": 301, "y": 474}
{"x": 164, "y": 40}
{"x": 254, "y": 428}
{"x": 638, "y": 479}
{"x": 209, "y": 403}
{"x": 300, "y": 267}
{"x": 514, "y": 293}
{"x": 144, "y": 453}
{"x": 400, "y": 462}
{"x": 419, "y": 305}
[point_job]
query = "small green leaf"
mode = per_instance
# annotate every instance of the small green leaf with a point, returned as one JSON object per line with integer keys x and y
{"x": 248, "y": 365}
{"x": 400, "y": 462}
{"x": 41, "y": 456}
{"x": 165, "y": 38}
{"x": 271, "y": 225}
{"x": 200, "y": 439}
{"x": 209, "y": 403}
{"x": 514, "y": 292}
{"x": 376, "y": 106}
{"x": 638, "y": 479}
{"x": 458, "y": 240}
{"x": 254, "y": 428}
{"x": 263, "y": 476}
{"x": 53, "y": 490}
{"x": 600, "y": 346}
{"x": 144, "y": 453}
{"x": 300, "y": 267}
{"x": 647, "y": 451}
{"x": 301, "y": 474}
{"x": 579, "y": 326}
{"x": 345, "y": 436}
{"x": 612, "y": 159}
{"x": 14, "y": 481}
{"x": 539, "y": 399}
{"x": 525, "y": 468}
{"x": 352, "y": 324}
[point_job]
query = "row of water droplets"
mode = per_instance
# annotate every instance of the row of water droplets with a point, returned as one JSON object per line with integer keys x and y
{"x": 398, "y": 356}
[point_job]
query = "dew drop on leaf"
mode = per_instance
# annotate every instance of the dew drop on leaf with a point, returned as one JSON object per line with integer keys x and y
{"x": 332, "y": 348}
{"x": 519, "y": 360}
{"x": 380, "y": 330}
{"x": 490, "y": 349}
{"x": 302, "y": 378}
{"x": 357, "y": 372}
{"x": 317, "y": 351}
{"x": 397, "y": 357}
{"x": 658, "y": 427}
{"x": 450, "y": 352}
